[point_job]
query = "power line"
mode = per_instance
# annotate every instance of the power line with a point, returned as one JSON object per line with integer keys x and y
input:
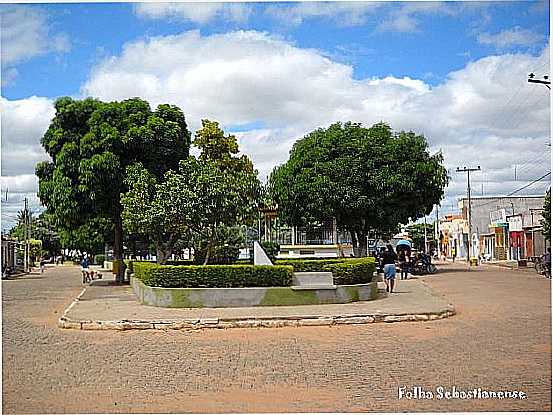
{"x": 530, "y": 184}
{"x": 516, "y": 191}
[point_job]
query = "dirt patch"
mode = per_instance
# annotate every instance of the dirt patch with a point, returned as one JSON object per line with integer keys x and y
{"x": 542, "y": 348}
{"x": 280, "y": 398}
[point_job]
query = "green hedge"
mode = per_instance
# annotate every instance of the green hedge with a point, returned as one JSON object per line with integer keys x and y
{"x": 99, "y": 259}
{"x": 211, "y": 276}
{"x": 180, "y": 262}
{"x": 345, "y": 271}
{"x": 350, "y": 272}
{"x": 310, "y": 265}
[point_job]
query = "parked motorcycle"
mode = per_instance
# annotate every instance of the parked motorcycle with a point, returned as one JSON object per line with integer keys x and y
{"x": 423, "y": 266}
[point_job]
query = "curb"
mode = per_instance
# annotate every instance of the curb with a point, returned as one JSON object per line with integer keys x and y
{"x": 529, "y": 270}
{"x": 249, "y": 322}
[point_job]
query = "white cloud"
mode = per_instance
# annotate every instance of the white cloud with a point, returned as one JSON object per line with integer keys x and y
{"x": 26, "y": 34}
{"x": 475, "y": 116}
{"x": 344, "y": 13}
{"x": 404, "y": 19}
{"x": 201, "y": 13}
{"x": 23, "y": 124}
{"x": 25, "y": 183}
{"x": 484, "y": 114}
{"x": 510, "y": 37}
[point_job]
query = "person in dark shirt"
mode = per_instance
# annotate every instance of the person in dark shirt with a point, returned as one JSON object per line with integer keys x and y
{"x": 404, "y": 259}
{"x": 389, "y": 259}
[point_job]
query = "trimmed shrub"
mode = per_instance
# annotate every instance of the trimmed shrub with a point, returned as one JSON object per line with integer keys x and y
{"x": 180, "y": 262}
{"x": 99, "y": 259}
{"x": 213, "y": 276}
{"x": 310, "y": 265}
{"x": 351, "y": 272}
{"x": 345, "y": 271}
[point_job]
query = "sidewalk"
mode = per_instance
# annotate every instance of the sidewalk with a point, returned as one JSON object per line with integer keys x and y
{"x": 512, "y": 265}
{"x": 105, "y": 305}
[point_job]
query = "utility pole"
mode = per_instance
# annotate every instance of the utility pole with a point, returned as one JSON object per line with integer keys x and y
{"x": 25, "y": 233}
{"x": 468, "y": 170}
{"x": 425, "y": 237}
{"x": 437, "y": 232}
{"x": 532, "y": 210}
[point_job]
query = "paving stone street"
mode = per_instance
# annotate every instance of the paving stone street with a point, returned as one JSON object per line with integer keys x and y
{"x": 500, "y": 339}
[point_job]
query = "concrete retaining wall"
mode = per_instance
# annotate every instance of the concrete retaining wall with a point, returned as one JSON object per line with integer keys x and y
{"x": 249, "y": 297}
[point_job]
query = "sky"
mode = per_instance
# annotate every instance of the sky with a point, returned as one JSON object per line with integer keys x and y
{"x": 270, "y": 73}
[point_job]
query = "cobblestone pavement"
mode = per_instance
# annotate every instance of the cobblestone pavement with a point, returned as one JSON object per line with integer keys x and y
{"x": 107, "y": 303}
{"x": 499, "y": 340}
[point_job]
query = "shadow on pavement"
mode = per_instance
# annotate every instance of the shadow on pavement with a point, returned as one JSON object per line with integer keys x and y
{"x": 108, "y": 283}
{"x": 24, "y": 277}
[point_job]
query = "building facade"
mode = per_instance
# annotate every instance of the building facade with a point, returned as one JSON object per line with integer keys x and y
{"x": 503, "y": 228}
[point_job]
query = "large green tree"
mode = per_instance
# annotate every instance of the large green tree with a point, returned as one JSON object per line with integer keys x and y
{"x": 369, "y": 179}
{"x": 91, "y": 143}
{"x": 217, "y": 189}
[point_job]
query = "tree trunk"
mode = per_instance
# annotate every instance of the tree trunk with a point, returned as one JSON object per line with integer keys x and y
{"x": 163, "y": 252}
{"x": 362, "y": 243}
{"x": 208, "y": 250}
{"x": 164, "y": 249}
{"x": 118, "y": 249}
{"x": 354, "y": 243}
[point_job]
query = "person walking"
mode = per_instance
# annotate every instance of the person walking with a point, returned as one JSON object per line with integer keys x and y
{"x": 402, "y": 258}
{"x": 42, "y": 264}
{"x": 389, "y": 258}
{"x": 85, "y": 270}
{"x": 453, "y": 253}
{"x": 408, "y": 263}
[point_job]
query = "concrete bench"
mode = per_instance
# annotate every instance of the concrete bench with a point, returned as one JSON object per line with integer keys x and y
{"x": 310, "y": 279}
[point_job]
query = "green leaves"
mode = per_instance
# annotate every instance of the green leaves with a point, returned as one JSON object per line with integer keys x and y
{"x": 219, "y": 276}
{"x": 218, "y": 189}
{"x": 367, "y": 178}
{"x": 92, "y": 143}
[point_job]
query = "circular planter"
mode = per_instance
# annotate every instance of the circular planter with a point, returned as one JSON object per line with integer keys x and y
{"x": 251, "y": 296}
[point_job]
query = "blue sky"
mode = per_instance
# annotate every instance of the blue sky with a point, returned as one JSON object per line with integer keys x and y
{"x": 271, "y": 72}
{"x": 440, "y": 44}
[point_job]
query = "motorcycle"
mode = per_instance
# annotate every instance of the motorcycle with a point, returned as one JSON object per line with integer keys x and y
{"x": 423, "y": 266}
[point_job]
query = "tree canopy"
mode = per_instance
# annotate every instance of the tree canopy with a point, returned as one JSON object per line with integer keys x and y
{"x": 91, "y": 143}
{"x": 416, "y": 232}
{"x": 215, "y": 190}
{"x": 41, "y": 228}
{"x": 369, "y": 179}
